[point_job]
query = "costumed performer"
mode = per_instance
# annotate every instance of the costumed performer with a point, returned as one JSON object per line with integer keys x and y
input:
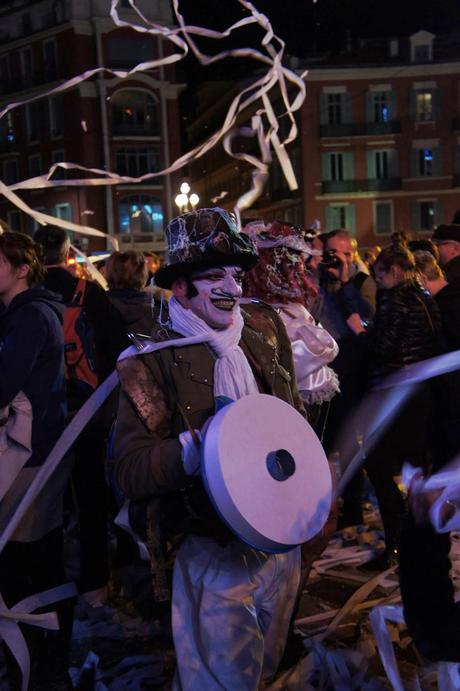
{"x": 231, "y": 604}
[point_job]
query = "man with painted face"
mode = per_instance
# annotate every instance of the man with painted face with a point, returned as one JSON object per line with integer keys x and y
{"x": 231, "y": 604}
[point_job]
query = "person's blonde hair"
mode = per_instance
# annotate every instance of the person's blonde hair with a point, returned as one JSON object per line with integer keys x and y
{"x": 427, "y": 265}
{"x": 126, "y": 270}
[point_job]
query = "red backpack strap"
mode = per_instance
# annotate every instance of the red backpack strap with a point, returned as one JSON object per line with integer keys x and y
{"x": 79, "y": 294}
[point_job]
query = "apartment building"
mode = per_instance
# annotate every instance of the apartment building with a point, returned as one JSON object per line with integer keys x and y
{"x": 129, "y": 126}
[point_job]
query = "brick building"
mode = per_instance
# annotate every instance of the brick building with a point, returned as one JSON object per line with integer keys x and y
{"x": 378, "y": 147}
{"x": 130, "y": 126}
{"x": 380, "y": 138}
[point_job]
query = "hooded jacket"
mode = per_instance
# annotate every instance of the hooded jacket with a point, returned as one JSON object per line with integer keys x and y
{"x": 32, "y": 361}
{"x": 32, "y": 365}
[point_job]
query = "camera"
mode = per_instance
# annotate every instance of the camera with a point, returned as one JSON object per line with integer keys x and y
{"x": 330, "y": 260}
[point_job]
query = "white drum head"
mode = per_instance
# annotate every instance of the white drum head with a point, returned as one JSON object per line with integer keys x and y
{"x": 266, "y": 473}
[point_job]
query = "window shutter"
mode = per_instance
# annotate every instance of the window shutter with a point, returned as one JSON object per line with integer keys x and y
{"x": 351, "y": 219}
{"x": 436, "y": 104}
{"x": 415, "y": 215}
{"x": 369, "y": 106}
{"x": 326, "y": 165}
{"x": 457, "y": 159}
{"x": 348, "y": 168}
{"x": 323, "y": 113}
{"x": 414, "y": 161}
{"x": 392, "y": 106}
{"x": 371, "y": 165}
{"x": 437, "y": 161}
{"x": 329, "y": 218}
{"x": 413, "y": 104}
{"x": 393, "y": 163}
{"x": 439, "y": 213}
{"x": 347, "y": 108}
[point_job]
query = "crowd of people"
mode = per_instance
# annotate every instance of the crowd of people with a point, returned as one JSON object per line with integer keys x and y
{"x": 272, "y": 309}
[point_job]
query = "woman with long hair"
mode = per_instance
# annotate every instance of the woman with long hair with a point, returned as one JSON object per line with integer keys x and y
{"x": 406, "y": 330}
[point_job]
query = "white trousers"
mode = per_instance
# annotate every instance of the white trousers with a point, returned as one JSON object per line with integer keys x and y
{"x": 231, "y": 609}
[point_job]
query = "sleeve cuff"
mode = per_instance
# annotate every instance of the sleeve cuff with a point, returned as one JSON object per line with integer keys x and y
{"x": 190, "y": 454}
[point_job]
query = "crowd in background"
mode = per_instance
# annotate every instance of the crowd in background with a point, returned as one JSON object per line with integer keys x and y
{"x": 351, "y": 319}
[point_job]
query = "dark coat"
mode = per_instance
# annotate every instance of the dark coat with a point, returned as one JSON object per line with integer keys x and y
{"x": 135, "y": 308}
{"x": 148, "y": 453}
{"x": 32, "y": 361}
{"x": 406, "y": 327}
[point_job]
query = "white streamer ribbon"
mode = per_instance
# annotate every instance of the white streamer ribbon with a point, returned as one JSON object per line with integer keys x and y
{"x": 182, "y": 37}
{"x": 22, "y": 613}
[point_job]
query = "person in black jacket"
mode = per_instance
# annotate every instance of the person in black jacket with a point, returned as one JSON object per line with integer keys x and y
{"x": 127, "y": 277}
{"x": 33, "y": 408}
{"x": 406, "y": 330}
{"x": 88, "y": 476}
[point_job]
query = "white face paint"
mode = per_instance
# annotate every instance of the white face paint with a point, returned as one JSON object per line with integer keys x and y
{"x": 219, "y": 292}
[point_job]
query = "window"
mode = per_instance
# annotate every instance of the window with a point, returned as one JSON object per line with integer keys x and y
{"x": 7, "y": 133}
{"x": 129, "y": 52}
{"x": 13, "y": 218}
{"x": 56, "y": 110}
{"x": 422, "y": 53}
{"x": 50, "y": 60}
{"x": 4, "y": 74}
{"x": 141, "y": 213}
{"x": 340, "y": 216}
{"x": 63, "y": 211}
{"x": 26, "y": 66}
{"x": 136, "y": 162}
{"x": 425, "y": 162}
{"x": 35, "y": 165}
{"x": 334, "y": 109}
{"x": 56, "y": 157}
{"x": 338, "y": 166}
{"x": 32, "y": 224}
{"x": 427, "y": 215}
{"x": 37, "y": 120}
{"x": 383, "y": 217}
{"x": 134, "y": 112}
{"x": 381, "y": 164}
{"x": 10, "y": 171}
{"x": 424, "y": 106}
{"x": 381, "y": 111}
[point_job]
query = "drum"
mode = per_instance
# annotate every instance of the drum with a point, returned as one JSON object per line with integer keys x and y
{"x": 266, "y": 473}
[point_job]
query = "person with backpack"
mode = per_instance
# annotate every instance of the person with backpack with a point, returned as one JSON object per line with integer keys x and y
{"x": 93, "y": 340}
{"x": 32, "y": 418}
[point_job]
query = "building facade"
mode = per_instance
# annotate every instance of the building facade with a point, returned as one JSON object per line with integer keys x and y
{"x": 380, "y": 142}
{"x": 129, "y": 126}
{"x": 378, "y": 148}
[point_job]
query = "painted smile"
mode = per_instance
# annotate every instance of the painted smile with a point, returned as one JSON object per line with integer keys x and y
{"x": 226, "y": 304}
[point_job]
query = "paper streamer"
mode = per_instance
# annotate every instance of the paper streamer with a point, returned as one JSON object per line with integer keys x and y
{"x": 379, "y": 408}
{"x": 21, "y": 613}
{"x": 182, "y": 38}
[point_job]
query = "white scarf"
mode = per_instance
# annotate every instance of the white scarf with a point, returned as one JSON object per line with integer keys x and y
{"x": 233, "y": 376}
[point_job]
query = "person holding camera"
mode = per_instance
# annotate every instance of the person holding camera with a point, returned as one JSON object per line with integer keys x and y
{"x": 339, "y": 298}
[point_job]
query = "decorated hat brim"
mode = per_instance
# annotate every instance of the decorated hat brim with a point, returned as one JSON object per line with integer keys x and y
{"x": 165, "y": 277}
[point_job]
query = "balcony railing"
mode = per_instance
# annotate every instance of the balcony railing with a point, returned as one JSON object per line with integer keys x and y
{"x": 122, "y": 129}
{"x": 155, "y": 242}
{"x": 359, "y": 129}
{"x": 350, "y": 186}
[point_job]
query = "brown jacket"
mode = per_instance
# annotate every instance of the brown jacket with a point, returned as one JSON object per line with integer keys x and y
{"x": 147, "y": 449}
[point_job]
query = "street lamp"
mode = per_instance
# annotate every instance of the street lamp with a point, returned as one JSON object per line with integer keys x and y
{"x": 186, "y": 200}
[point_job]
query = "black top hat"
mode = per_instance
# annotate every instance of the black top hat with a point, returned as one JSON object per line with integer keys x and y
{"x": 449, "y": 233}
{"x": 201, "y": 239}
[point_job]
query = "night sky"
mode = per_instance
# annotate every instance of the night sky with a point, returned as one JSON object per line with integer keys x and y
{"x": 309, "y": 27}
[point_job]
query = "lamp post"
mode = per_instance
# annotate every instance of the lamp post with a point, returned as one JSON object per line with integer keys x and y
{"x": 186, "y": 200}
